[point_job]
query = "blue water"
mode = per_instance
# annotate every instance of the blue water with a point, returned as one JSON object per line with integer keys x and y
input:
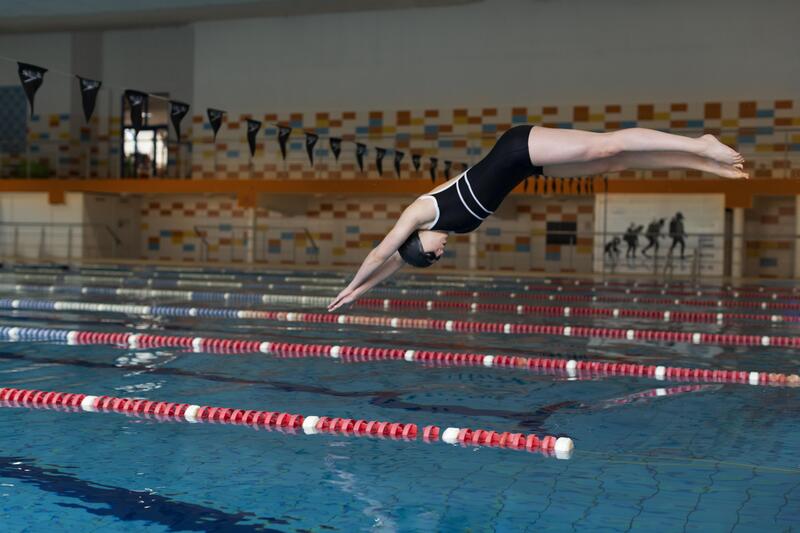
{"x": 710, "y": 458}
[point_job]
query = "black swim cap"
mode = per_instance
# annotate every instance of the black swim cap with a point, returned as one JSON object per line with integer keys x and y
{"x": 412, "y": 252}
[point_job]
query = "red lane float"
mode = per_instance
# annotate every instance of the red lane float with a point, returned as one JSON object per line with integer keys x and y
{"x": 440, "y": 304}
{"x": 561, "y": 447}
{"x": 591, "y": 332}
{"x": 735, "y": 294}
{"x": 354, "y": 353}
{"x": 521, "y": 329}
{"x": 541, "y": 310}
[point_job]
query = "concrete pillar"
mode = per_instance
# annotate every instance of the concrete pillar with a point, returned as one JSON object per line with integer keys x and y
{"x": 250, "y": 249}
{"x": 737, "y": 243}
{"x": 473, "y": 250}
{"x": 795, "y": 242}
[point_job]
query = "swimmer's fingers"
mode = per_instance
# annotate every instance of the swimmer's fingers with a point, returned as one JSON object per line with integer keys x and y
{"x": 343, "y": 303}
{"x": 337, "y": 302}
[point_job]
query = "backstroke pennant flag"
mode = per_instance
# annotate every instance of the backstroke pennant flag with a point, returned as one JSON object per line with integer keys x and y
{"x": 136, "y": 102}
{"x": 89, "y": 89}
{"x": 311, "y": 141}
{"x": 215, "y": 119}
{"x": 177, "y": 110}
{"x": 447, "y": 165}
{"x": 379, "y": 154}
{"x": 31, "y": 78}
{"x": 416, "y": 160}
{"x": 336, "y": 147}
{"x": 361, "y": 150}
{"x": 253, "y": 127}
{"x": 434, "y": 164}
{"x": 283, "y": 138}
{"x": 398, "y": 158}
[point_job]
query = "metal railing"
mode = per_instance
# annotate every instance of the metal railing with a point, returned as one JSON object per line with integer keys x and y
{"x": 695, "y": 255}
{"x": 57, "y": 241}
{"x": 256, "y": 243}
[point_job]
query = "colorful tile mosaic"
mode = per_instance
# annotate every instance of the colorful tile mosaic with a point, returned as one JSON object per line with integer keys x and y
{"x": 341, "y": 232}
{"x": 765, "y": 132}
{"x": 769, "y": 239}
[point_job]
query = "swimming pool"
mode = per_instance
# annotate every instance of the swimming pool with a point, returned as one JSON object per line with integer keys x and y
{"x": 708, "y": 451}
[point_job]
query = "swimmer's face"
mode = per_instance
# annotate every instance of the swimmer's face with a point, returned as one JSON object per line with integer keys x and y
{"x": 433, "y": 241}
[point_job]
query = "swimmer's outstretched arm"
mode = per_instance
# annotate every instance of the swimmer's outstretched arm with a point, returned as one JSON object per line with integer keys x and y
{"x": 392, "y": 265}
{"x": 410, "y": 220}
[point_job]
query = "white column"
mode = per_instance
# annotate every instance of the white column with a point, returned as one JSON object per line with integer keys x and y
{"x": 251, "y": 241}
{"x": 473, "y": 250}
{"x": 795, "y": 242}
{"x": 737, "y": 243}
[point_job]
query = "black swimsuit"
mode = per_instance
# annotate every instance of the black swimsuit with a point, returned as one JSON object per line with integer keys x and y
{"x": 473, "y": 196}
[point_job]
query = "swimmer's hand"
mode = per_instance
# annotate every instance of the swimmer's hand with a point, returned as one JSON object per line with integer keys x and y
{"x": 347, "y": 296}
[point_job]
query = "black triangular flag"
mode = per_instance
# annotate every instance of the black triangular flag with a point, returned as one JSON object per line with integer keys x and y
{"x": 215, "y": 119}
{"x": 416, "y": 160}
{"x": 89, "y": 89}
{"x": 398, "y": 158}
{"x": 283, "y": 138}
{"x": 447, "y": 166}
{"x": 464, "y": 167}
{"x": 525, "y": 188}
{"x": 31, "y": 78}
{"x": 434, "y": 164}
{"x": 253, "y": 127}
{"x": 379, "y": 153}
{"x": 177, "y": 110}
{"x": 336, "y": 147}
{"x": 591, "y": 185}
{"x": 361, "y": 149}
{"x": 311, "y": 141}
{"x": 535, "y": 184}
{"x": 136, "y": 102}
{"x": 605, "y": 183}
{"x": 571, "y": 184}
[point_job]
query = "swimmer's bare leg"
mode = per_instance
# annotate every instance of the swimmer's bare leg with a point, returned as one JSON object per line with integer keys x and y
{"x": 556, "y": 146}
{"x": 645, "y": 161}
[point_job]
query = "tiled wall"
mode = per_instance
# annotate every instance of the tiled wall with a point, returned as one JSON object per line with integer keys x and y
{"x": 759, "y": 129}
{"x": 463, "y": 135}
{"x": 342, "y": 231}
{"x": 769, "y": 237}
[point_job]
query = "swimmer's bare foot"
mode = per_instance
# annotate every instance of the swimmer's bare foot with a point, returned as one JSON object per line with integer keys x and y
{"x": 720, "y": 152}
{"x": 730, "y": 171}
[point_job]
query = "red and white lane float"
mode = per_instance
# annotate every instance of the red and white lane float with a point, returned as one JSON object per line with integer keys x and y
{"x": 315, "y": 284}
{"x": 560, "y": 447}
{"x": 680, "y": 317}
{"x": 386, "y": 303}
{"x": 629, "y": 334}
{"x": 571, "y": 367}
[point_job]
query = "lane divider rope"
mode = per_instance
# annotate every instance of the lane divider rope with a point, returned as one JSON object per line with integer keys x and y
{"x": 447, "y": 325}
{"x": 561, "y": 447}
{"x": 518, "y": 293}
{"x": 572, "y": 367}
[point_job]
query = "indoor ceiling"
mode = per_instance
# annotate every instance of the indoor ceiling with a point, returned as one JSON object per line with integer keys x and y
{"x": 18, "y": 16}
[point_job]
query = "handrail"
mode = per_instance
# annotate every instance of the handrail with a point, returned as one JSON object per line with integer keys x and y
{"x": 110, "y": 231}
{"x": 48, "y": 236}
{"x": 203, "y": 241}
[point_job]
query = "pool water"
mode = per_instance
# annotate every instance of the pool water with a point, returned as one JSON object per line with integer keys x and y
{"x": 649, "y": 455}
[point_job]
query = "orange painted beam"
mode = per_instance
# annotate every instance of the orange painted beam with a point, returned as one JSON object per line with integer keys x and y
{"x": 738, "y": 193}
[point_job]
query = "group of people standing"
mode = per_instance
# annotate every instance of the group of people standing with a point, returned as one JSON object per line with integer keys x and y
{"x": 653, "y": 233}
